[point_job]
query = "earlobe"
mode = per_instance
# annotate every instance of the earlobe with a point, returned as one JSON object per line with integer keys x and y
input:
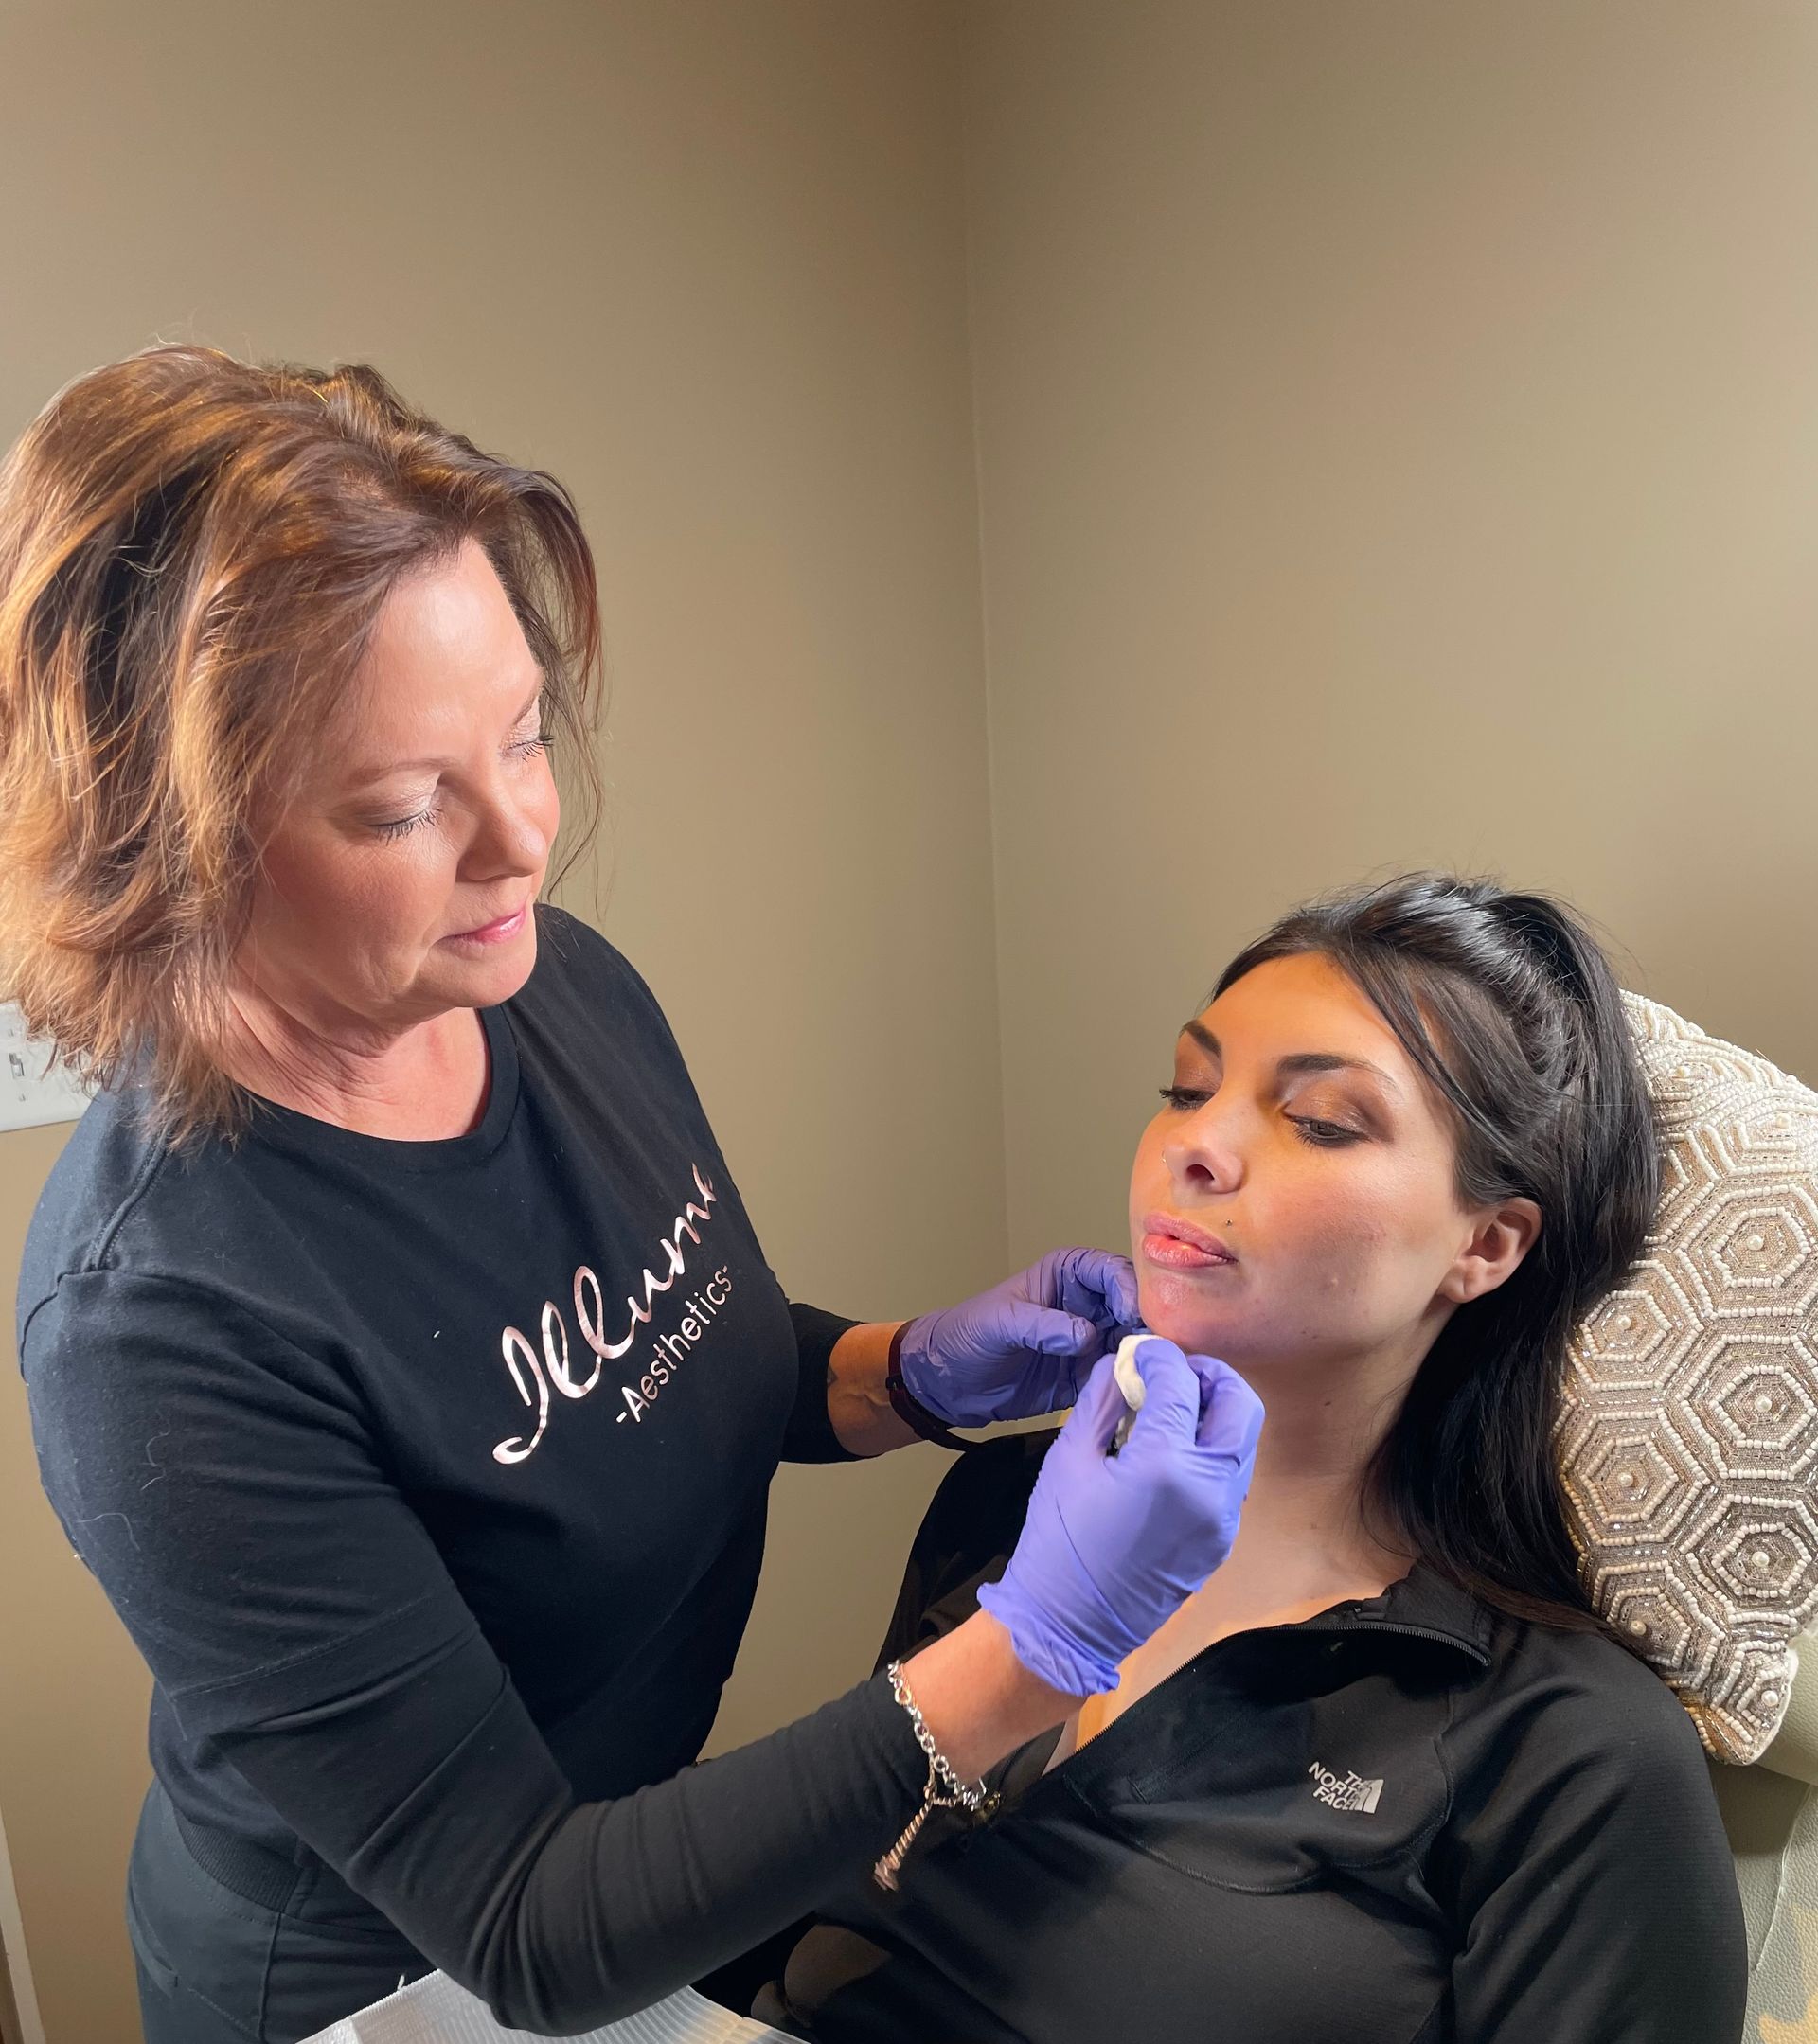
{"x": 1464, "y": 1281}
{"x": 1494, "y": 1252}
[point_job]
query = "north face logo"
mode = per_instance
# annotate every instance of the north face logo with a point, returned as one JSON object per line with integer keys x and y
{"x": 1344, "y": 1791}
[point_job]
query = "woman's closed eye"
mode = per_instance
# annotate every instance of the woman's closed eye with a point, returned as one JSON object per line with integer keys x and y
{"x": 1323, "y": 1135}
{"x": 1185, "y": 1097}
{"x": 529, "y": 733}
{"x": 1311, "y": 1128}
{"x": 400, "y": 826}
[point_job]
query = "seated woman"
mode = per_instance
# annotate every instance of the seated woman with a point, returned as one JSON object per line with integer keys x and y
{"x": 1384, "y": 1777}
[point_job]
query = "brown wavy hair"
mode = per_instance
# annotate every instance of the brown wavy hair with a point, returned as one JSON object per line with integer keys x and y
{"x": 193, "y": 553}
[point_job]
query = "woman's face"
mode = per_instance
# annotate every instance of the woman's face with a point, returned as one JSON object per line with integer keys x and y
{"x": 1294, "y": 1200}
{"x": 400, "y": 881}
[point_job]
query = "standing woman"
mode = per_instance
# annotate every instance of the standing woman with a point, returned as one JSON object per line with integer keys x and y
{"x": 402, "y": 1359}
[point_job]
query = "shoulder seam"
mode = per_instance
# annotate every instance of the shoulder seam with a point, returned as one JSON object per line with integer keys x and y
{"x": 213, "y": 1294}
{"x": 222, "y": 1302}
{"x": 141, "y": 1184}
{"x": 38, "y": 1307}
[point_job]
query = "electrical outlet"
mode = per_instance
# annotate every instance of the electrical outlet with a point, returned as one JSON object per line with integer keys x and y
{"x": 28, "y": 1095}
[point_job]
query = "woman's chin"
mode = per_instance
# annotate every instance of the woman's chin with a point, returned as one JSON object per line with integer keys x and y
{"x": 1194, "y": 1334}
{"x": 473, "y": 976}
{"x": 1183, "y": 1309}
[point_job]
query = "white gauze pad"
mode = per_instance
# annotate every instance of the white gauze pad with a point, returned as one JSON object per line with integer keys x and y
{"x": 1124, "y": 1370}
{"x": 1124, "y": 1373}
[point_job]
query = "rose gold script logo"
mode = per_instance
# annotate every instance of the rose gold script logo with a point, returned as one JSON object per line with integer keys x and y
{"x": 535, "y": 1372}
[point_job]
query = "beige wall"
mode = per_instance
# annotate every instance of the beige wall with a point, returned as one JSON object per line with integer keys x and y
{"x": 1395, "y": 441}
{"x": 706, "y": 261}
{"x": 1398, "y": 442}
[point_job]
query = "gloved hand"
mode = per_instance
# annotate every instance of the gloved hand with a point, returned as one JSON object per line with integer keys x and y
{"x": 1113, "y": 1545}
{"x": 1024, "y": 1346}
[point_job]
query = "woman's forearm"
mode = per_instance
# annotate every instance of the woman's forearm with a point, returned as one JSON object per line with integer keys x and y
{"x": 977, "y": 1698}
{"x": 450, "y": 1814}
{"x": 857, "y": 1402}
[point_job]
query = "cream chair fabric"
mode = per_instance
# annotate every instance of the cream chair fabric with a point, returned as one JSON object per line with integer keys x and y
{"x": 1688, "y": 1426}
{"x": 1771, "y": 1811}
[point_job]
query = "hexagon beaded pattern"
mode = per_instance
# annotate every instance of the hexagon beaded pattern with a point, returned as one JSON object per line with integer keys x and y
{"x": 1688, "y": 1422}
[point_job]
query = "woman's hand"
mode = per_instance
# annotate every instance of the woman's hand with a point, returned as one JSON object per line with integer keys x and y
{"x": 1113, "y": 1545}
{"x": 1024, "y": 1347}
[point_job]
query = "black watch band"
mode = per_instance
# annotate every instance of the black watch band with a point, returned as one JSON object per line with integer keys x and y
{"x": 914, "y": 1414}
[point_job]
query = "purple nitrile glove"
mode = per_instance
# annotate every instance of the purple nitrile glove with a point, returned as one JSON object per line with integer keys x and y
{"x": 1024, "y": 1346}
{"x": 1113, "y": 1545}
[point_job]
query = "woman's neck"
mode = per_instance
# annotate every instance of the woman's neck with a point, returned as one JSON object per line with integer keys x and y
{"x": 1305, "y": 1522}
{"x": 1304, "y": 1541}
{"x": 422, "y": 1083}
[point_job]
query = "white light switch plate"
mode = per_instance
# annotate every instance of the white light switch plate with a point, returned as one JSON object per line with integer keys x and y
{"x": 27, "y": 1096}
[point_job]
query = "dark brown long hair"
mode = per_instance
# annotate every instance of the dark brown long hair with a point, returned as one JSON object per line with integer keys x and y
{"x": 193, "y": 552}
{"x": 1510, "y": 1008}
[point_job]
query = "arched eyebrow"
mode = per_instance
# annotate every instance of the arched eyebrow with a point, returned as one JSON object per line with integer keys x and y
{"x": 1297, "y": 1062}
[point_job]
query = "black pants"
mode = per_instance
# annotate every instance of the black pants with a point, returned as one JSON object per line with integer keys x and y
{"x": 220, "y": 1968}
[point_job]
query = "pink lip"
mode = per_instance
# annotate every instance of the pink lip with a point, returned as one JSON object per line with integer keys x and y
{"x": 1178, "y": 1245}
{"x": 495, "y": 932}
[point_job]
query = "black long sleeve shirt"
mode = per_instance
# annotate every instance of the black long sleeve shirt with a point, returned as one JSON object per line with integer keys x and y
{"x": 430, "y": 1480}
{"x": 1406, "y": 1821}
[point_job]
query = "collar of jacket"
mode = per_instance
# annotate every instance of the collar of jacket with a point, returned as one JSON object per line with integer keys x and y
{"x": 1423, "y": 1605}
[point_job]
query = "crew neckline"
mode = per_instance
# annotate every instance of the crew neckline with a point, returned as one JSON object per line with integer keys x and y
{"x": 290, "y": 1129}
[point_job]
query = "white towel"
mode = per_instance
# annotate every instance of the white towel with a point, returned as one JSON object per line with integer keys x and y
{"x": 434, "y": 2011}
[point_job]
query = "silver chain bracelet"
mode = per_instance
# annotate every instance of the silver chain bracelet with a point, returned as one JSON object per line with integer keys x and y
{"x": 945, "y": 1790}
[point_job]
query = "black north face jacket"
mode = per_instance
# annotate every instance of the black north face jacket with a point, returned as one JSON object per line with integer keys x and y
{"x": 1403, "y": 1821}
